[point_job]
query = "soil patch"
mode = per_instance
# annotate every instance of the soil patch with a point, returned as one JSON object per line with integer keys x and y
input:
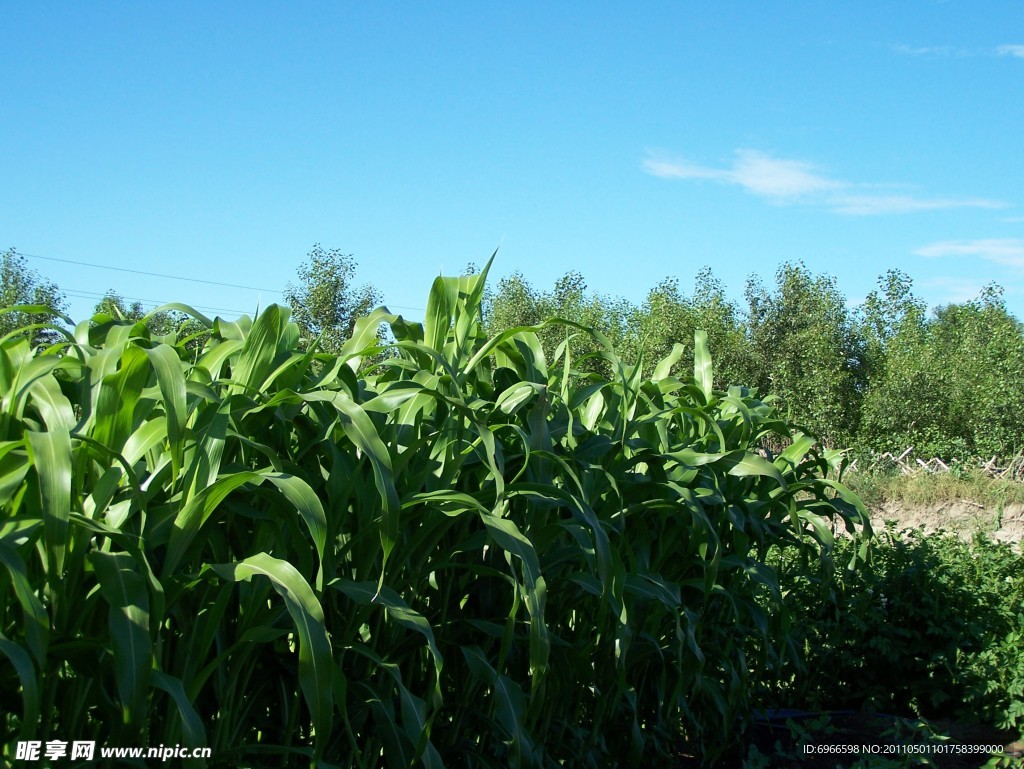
{"x": 961, "y": 517}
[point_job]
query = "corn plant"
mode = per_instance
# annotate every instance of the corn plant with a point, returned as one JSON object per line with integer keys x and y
{"x": 458, "y": 553}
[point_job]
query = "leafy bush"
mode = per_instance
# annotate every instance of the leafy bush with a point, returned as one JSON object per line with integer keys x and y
{"x": 464, "y": 555}
{"x": 932, "y": 627}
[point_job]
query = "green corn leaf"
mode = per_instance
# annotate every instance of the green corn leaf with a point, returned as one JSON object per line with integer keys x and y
{"x": 664, "y": 368}
{"x": 365, "y": 335}
{"x": 360, "y": 430}
{"x": 193, "y": 729}
{"x": 35, "y": 309}
{"x": 516, "y": 397}
{"x": 179, "y": 307}
{"x": 510, "y": 705}
{"x": 702, "y": 364}
{"x": 22, "y": 665}
{"x": 171, "y": 379}
{"x": 315, "y": 657}
{"x": 195, "y": 514}
{"x": 53, "y": 406}
{"x": 52, "y": 459}
{"x": 14, "y": 465}
{"x": 37, "y": 622}
{"x": 744, "y": 464}
{"x": 118, "y": 395}
{"x": 794, "y": 454}
{"x": 305, "y": 500}
{"x": 410, "y": 739}
{"x": 367, "y": 593}
{"x": 213, "y": 360}
{"x": 508, "y": 537}
{"x": 125, "y": 590}
{"x": 256, "y": 359}
{"x": 199, "y": 509}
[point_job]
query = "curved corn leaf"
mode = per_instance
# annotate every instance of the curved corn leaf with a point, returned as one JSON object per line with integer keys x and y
{"x": 315, "y": 658}
{"x": 50, "y": 454}
{"x": 22, "y": 665}
{"x": 37, "y": 622}
{"x": 124, "y": 589}
{"x": 702, "y": 364}
{"x": 171, "y": 380}
{"x": 192, "y": 725}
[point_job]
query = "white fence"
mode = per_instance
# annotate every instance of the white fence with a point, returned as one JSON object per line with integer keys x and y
{"x": 1010, "y": 470}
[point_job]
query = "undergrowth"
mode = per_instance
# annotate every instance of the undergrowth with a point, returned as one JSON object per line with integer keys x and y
{"x": 933, "y": 627}
{"x": 924, "y": 489}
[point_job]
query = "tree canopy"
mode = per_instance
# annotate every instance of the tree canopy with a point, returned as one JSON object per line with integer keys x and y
{"x": 325, "y": 301}
{"x": 883, "y": 376}
{"x": 21, "y": 285}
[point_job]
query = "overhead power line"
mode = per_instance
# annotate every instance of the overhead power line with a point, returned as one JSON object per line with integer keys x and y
{"x": 79, "y": 294}
{"x": 189, "y": 280}
{"x": 152, "y": 274}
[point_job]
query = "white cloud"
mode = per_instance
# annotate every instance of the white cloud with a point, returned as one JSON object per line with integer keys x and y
{"x": 783, "y": 180}
{"x": 871, "y": 205}
{"x": 677, "y": 168}
{"x": 948, "y": 51}
{"x": 930, "y": 50}
{"x": 954, "y": 290}
{"x": 1005, "y": 251}
{"x": 762, "y": 174}
{"x": 756, "y": 172}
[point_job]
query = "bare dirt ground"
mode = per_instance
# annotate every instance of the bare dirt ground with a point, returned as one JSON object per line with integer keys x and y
{"x": 959, "y": 516}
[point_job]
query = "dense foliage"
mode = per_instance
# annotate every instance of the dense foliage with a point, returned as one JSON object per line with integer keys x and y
{"x": 882, "y": 377}
{"x": 934, "y": 627}
{"x": 40, "y": 302}
{"x": 325, "y": 303}
{"x": 472, "y": 553}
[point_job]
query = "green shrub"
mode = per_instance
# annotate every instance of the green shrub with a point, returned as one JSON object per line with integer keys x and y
{"x": 931, "y": 627}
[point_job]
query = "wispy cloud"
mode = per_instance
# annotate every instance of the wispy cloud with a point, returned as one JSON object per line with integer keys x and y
{"x": 932, "y": 51}
{"x": 870, "y": 205}
{"x": 781, "y": 180}
{"x": 950, "y": 51}
{"x": 756, "y": 172}
{"x": 1005, "y": 251}
{"x": 954, "y": 290}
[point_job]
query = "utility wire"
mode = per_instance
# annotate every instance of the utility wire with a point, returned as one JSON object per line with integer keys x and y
{"x": 79, "y": 294}
{"x": 151, "y": 274}
{"x": 190, "y": 280}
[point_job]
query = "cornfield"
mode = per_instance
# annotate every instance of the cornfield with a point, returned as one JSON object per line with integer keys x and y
{"x": 442, "y": 550}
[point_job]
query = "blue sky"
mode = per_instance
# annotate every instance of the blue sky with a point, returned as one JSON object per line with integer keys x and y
{"x": 220, "y": 141}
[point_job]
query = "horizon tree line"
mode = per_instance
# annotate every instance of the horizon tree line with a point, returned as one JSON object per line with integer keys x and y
{"x": 883, "y": 376}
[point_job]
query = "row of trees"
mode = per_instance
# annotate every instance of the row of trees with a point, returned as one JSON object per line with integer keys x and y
{"x": 883, "y": 376}
{"x": 325, "y": 301}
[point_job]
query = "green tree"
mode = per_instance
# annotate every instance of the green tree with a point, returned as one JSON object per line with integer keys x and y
{"x": 807, "y": 351}
{"x": 668, "y": 317}
{"x": 21, "y": 285}
{"x": 905, "y": 399}
{"x": 515, "y": 303}
{"x": 325, "y": 303}
{"x": 949, "y": 385}
{"x": 979, "y": 350}
{"x": 158, "y": 323}
{"x": 116, "y": 306}
{"x": 518, "y": 303}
